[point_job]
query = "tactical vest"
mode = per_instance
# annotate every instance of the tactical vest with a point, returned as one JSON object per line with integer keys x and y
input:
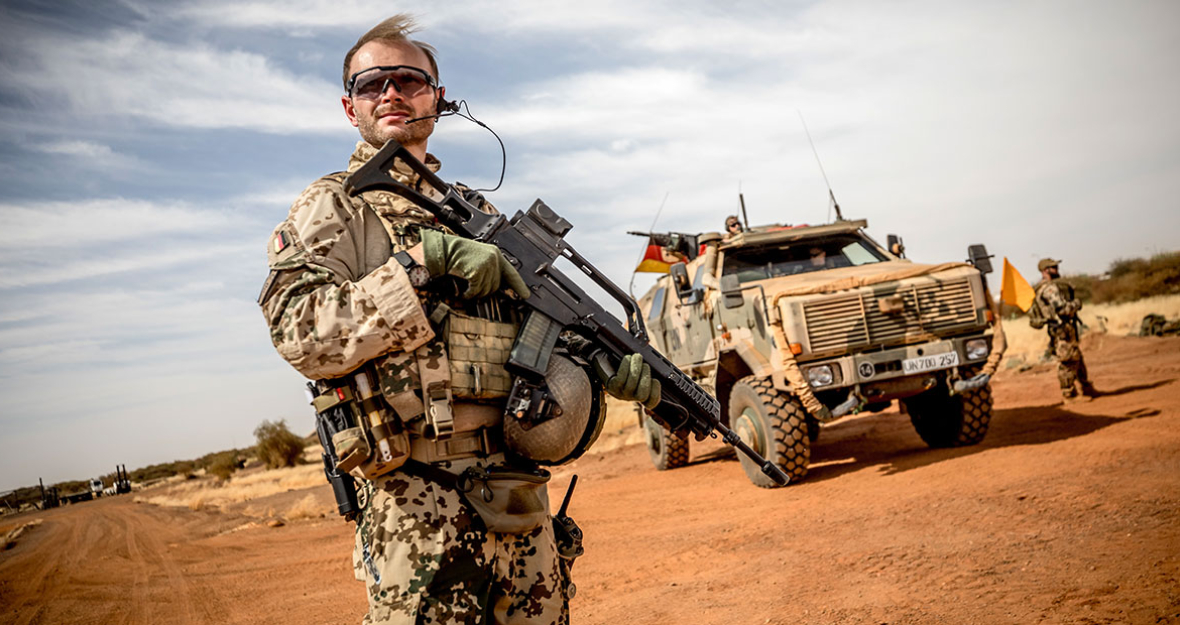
{"x": 464, "y": 361}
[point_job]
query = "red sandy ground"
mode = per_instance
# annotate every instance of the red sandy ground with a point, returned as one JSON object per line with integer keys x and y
{"x": 1064, "y": 514}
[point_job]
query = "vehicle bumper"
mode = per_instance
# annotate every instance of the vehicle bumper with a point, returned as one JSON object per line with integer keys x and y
{"x": 880, "y": 376}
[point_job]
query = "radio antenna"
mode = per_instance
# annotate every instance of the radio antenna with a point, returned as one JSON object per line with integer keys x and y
{"x": 742, "y": 201}
{"x": 651, "y": 228}
{"x": 835, "y": 204}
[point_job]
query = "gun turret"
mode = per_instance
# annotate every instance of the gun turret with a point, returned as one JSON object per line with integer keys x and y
{"x": 679, "y": 242}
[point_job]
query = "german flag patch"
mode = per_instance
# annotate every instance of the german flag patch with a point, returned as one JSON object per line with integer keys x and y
{"x": 280, "y": 241}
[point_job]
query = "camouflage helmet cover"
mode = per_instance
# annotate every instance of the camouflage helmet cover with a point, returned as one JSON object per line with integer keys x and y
{"x": 1047, "y": 263}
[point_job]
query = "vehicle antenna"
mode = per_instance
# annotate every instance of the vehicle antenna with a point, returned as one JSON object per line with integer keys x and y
{"x": 742, "y": 200}
{"x": 839, "y": 216}
{"x": 651, "y": 228}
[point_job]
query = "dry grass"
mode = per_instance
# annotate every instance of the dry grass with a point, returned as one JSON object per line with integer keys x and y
{"x": 202, "y": 493}
{"x": 1026, "y": 345}
{"x": 307, "y": 508}
{"x": 11, "y": 536}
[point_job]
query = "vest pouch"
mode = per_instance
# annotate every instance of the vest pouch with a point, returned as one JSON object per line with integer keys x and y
{"x": 390, "y": 445}
{"x": 510, "y": 501}
{"x": 389, "y": 452}
{"x": 352, "y": 448}
{"x": 477, "y": 349}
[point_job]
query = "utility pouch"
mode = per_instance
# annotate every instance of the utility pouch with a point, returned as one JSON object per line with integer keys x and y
{"x": 477, "y": 349}
{"x": 510, "y": 501}
{"x": 379, "y": 444}
{"x": 351, "y": 447}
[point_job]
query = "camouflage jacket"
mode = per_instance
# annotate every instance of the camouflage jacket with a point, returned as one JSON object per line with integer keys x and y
{"x": 1057, "y": 301}
{"x": 335, "y": 298}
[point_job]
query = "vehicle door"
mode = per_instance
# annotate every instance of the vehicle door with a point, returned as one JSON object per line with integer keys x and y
{"x": 690, "y": 329}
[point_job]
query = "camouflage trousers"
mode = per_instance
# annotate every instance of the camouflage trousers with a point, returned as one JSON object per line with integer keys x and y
{"x": 1071, "y": 366}
{"x": 425, "y": 557}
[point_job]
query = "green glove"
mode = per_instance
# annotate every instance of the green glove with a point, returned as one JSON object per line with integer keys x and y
{"x": 480, "y": 264}
{"x": 632, "y": 382}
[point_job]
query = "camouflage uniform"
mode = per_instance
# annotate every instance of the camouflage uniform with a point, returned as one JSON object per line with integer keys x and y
{"x": 1058, "y": 305}
{"x": 337, "y": 299}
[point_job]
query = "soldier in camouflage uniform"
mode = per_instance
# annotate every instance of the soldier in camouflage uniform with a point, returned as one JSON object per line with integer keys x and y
{"x": 1058, "y": 305}
{"x": 338, "y": 300}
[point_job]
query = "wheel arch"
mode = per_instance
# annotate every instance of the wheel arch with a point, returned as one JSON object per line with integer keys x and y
{"x": 731, "y": 367}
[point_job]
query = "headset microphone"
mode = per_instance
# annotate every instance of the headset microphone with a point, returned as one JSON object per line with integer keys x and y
{"x": 444, "y": 107}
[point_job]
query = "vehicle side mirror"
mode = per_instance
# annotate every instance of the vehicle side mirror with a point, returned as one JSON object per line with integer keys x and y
{"x": 731, "y": 291}
{"x": 977, "y": 255}
{"x": 683, "y": 286}
{"x": 895, "y": 245}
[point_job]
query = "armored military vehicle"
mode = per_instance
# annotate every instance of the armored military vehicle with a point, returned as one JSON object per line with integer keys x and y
{"x": 794, "y": 327}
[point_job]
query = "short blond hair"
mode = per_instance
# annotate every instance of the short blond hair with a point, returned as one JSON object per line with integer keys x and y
{"x": 395, "y": 29}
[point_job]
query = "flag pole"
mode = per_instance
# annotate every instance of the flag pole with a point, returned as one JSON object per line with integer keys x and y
{"x": 651, "y": 228}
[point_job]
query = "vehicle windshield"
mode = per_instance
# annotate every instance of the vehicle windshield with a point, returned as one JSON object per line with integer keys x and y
{"x": 761, "y": 263}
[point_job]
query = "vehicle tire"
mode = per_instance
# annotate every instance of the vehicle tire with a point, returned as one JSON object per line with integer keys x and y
{"x": 667, "y": 450}
{"x": 945, "y": 420}
{"x": 774, "y": 424}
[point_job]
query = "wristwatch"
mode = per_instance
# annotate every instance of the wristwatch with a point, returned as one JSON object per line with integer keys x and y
{"x": 418, "y": 274}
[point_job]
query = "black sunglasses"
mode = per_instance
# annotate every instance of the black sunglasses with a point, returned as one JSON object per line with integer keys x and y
{"x": 370, "y": 83}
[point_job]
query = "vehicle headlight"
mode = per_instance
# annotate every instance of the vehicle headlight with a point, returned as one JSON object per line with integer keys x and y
{"x": 820, "y": 376}
{"x": 976, "y": 349}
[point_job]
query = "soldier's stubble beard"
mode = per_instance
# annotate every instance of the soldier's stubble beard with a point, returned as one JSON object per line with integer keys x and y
{"x": 405, "y": 134}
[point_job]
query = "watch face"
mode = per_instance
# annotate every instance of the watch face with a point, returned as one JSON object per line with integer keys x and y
{"x": 419, "y": 276}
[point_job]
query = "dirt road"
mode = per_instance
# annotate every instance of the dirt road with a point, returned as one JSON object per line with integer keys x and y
{"x": 1062, "y": 515}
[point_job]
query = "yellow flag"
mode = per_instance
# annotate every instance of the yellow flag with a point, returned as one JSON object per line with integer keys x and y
{"x": 1014, "y": 289}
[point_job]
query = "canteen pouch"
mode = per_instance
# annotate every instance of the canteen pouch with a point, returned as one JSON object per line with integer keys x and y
{"x": 510, "y": 501}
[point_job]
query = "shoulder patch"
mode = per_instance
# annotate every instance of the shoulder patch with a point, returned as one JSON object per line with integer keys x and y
{"x": 285, "y": 249}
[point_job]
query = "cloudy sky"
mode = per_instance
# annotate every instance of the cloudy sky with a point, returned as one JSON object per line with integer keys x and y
{"x": 147, "y": 149}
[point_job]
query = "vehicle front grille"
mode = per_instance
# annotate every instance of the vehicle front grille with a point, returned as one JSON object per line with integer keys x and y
{"x": 855, "y": 320}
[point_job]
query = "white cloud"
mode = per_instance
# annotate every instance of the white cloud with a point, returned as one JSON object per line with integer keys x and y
{"x": 91, "y": 155}
{"x": 84, "y": 149}
{"x": 121, "y": 262}
{"x": 131, "y": 76}
{"x": 85, "y": 223}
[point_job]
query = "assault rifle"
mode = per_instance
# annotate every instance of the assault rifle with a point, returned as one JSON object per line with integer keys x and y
{"x": 532, "y": 241}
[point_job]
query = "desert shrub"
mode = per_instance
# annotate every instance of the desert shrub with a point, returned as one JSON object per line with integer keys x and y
{"x": 1127, "y": 280}
{"x": 162, "y": 470}
{"x": 277, "y": 446}
{"x": 1130, "y": 279}
{"x": 223, "y": 464}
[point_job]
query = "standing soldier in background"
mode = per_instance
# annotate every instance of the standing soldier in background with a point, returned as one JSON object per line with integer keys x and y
{"x": 450, "y": 529}
{"x": 1057, "y": 307}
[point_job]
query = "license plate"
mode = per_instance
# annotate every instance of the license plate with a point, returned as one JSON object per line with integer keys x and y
{"x": 930, "y": 363}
